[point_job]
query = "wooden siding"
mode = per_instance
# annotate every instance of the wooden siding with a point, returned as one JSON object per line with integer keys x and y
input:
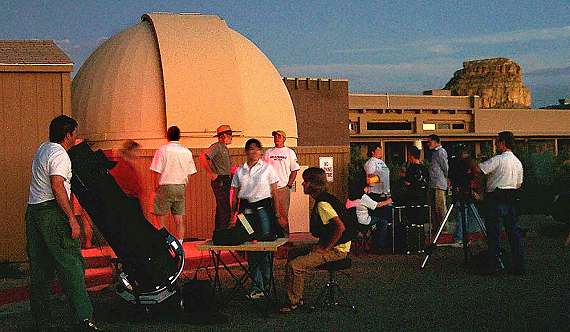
{"x": 200, "y": 203}
{"x": 28, "y": 102}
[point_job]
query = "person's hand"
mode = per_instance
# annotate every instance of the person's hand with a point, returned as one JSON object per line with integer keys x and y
{"x": 213, "y": 176}
{"x": 476, "y": 196}
{"x": 388, "y": 201}
{"x": 75, "y": 230}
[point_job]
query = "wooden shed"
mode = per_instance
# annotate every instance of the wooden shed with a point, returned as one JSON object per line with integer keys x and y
{"x": 35, "y": 86}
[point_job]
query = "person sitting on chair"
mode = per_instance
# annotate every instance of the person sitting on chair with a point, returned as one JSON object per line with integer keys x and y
{"x": 327, "y": 222}
{"x": 362, "y": 205}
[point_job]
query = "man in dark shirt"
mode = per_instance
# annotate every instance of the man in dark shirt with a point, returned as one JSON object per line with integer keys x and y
{"x": 216, "y": 161}
{"x": 416, "y": 179}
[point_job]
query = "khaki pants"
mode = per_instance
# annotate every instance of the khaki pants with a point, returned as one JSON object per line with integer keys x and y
{"x": 305, "y": 261}
{"x": 438, "y": 207}
{"x": 283, "y": 196}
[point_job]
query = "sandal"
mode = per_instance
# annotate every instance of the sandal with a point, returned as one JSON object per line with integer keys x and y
{"x": 289, "y": 308}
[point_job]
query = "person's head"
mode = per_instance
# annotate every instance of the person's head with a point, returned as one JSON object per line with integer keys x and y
{"x": 253, "y": 149}
{"x": 314, "y": 181}
{"x": 63, "y": 130}
{"x": 173, "y": 133}
{"x": 375, "y": 150}
{"x": 433, "y": 141}
{"x": 279, "y": 138}
{"x": 129, "y": 149}
{"x": 224, "y": 134}
{"x": 505, "y": 141}
{"x": 413, "y": 154}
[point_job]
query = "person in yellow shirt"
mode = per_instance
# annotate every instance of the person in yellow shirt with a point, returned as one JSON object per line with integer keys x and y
{"x": 327, "y": 223}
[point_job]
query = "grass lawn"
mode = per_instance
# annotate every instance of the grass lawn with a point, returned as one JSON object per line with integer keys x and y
{"x": 392, "y": 294}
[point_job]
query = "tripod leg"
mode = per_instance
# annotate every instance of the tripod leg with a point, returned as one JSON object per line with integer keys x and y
{"x": 478, "y": 218}
{"x": 433, "y": 243}
{"x": 464, "y": 230}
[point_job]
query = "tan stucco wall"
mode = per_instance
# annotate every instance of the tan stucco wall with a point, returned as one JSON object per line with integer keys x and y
{"x": 523, "y": 121}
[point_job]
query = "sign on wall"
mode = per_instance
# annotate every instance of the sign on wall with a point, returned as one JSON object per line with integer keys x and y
{"x": 327, "y": 164}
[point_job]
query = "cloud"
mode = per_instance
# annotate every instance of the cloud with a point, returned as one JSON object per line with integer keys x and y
{"x": 451, "y": 45}
{"x": 516, "y": 36}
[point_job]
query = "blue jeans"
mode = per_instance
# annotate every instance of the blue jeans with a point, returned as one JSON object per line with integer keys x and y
{"x": 503, "y": 213}
{"x": 381, "y": 219}
{"x": 259, "y": 263}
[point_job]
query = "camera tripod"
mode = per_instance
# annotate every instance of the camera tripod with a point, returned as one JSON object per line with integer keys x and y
{"x": 463, "y": 205}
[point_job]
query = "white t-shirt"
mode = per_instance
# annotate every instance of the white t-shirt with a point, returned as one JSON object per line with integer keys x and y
{"x": 284, "y": 161}
{"x": 375, "y": 166}
{"x": 254, "y": 184}
{"x": 505, "y": 171}
{"x": 362, "y": 205}
{"x": 50, "y": 159}
{"x": 174, "y": 162}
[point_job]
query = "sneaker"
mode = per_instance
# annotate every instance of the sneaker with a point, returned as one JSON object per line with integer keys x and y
{"x": 255, "y": 295}
{"x": 88, "y": 325}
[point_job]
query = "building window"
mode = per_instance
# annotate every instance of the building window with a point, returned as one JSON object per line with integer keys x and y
{"x": 428, "y": 126}
{"x": 458, "y": 126}
{"x": 354, "y": 127}
{"x": 389, "y": 126}
{"x": 443, "y": 126}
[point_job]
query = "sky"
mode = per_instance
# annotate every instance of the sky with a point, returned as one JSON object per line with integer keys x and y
{"x": 379, "y": 46}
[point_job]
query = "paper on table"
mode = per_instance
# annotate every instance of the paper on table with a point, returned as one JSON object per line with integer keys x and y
{"x": 245, "y": 223}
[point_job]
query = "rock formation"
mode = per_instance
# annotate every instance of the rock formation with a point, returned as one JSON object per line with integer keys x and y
{"x": 497, "y": 81}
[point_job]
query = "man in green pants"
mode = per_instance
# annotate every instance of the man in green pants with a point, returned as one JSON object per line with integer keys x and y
{"x": 52, "y": 230}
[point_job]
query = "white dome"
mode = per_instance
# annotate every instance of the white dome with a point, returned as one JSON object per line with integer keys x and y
{"x": 179, "y": 69}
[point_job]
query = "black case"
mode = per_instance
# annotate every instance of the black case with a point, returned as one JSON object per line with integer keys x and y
{"x": 407, "y": 229}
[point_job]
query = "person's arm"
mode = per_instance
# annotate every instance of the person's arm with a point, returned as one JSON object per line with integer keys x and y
{"x": 60, "y": 194}
{"x": 155, "y": 180}
{"x": 292, "y": 178}
{"x": 207, "y": 165}
{"x": 337, "y": 233}
{"x": 384, "y": 203}
{"x": 277, "y": 204}
{"x": 294, "y": 167}
{"x": 444, "y": 164}
{"x": 234, "y": 200}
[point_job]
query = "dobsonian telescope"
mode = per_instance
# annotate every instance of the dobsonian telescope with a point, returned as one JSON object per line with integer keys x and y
{"x": 149, "y": 260}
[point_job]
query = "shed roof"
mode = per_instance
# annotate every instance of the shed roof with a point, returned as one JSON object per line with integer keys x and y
{"x": 32, "y": 52}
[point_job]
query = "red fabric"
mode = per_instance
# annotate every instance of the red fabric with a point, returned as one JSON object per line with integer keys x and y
{"x": 127, "y": 178}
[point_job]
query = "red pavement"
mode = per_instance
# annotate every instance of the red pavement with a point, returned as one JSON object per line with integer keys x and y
{"x": 99, "y": 271}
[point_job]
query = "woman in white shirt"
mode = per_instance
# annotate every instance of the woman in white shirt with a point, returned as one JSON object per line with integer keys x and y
{"x": 255, "y": 183}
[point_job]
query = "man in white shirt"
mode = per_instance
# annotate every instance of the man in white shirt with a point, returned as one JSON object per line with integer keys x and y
{"x": 378, "y": 180}
{"x": 172, "y": 164}
{"x": 504, "y": 177}
{"x": 284, "y": 162}
{"x": 52, "y": 230}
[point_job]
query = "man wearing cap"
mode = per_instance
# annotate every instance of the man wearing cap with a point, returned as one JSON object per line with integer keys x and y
{"x": 172, "y": 163}
{"x": 216, "y": 161}
{"x": 284, "y": 162}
